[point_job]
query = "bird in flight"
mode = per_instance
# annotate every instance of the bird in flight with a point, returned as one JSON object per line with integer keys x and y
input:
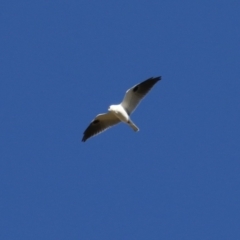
{"x": 121, "y": 112}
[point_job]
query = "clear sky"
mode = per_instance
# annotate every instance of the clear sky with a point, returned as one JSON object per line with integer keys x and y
{"x": 64, "y": 62}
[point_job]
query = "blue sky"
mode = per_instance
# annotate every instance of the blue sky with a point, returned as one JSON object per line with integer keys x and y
{"x": 62, "y": 63}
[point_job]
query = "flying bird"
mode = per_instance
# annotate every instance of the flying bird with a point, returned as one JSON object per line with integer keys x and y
{"x": 121, "y": 112}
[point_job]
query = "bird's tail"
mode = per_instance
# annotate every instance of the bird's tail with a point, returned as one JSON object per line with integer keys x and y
{"x": 133, "y": 126}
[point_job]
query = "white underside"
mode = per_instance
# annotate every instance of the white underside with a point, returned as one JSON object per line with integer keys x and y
{"x": 122, "y": 115}
{"x": 119, "y": 112}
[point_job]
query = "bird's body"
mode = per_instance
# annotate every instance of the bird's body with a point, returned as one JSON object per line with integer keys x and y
{"x": 121, "y": 112}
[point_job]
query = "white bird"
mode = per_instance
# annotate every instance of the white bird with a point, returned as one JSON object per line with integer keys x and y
{"x": 121, "y": 112}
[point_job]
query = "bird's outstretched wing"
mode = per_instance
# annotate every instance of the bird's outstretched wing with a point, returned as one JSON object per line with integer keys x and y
{"x": 135, "y": 94}
{"x": 100, "y": 123}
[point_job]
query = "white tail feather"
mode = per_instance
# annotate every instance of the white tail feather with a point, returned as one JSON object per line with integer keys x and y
{"x": 133, "y": 126}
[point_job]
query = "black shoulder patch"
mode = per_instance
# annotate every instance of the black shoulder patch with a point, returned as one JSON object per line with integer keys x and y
{"x": 135, "y": 89}
{"x": 96, "y": 121}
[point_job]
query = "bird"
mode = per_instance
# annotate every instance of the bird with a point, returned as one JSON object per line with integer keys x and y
{"x": 121, "y": 112}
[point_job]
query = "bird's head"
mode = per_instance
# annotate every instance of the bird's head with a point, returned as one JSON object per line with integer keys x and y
{"x": 111, "y": 108}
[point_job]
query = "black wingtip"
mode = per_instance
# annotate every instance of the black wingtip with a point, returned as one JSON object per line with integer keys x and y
{"x": 158, "y": 78}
